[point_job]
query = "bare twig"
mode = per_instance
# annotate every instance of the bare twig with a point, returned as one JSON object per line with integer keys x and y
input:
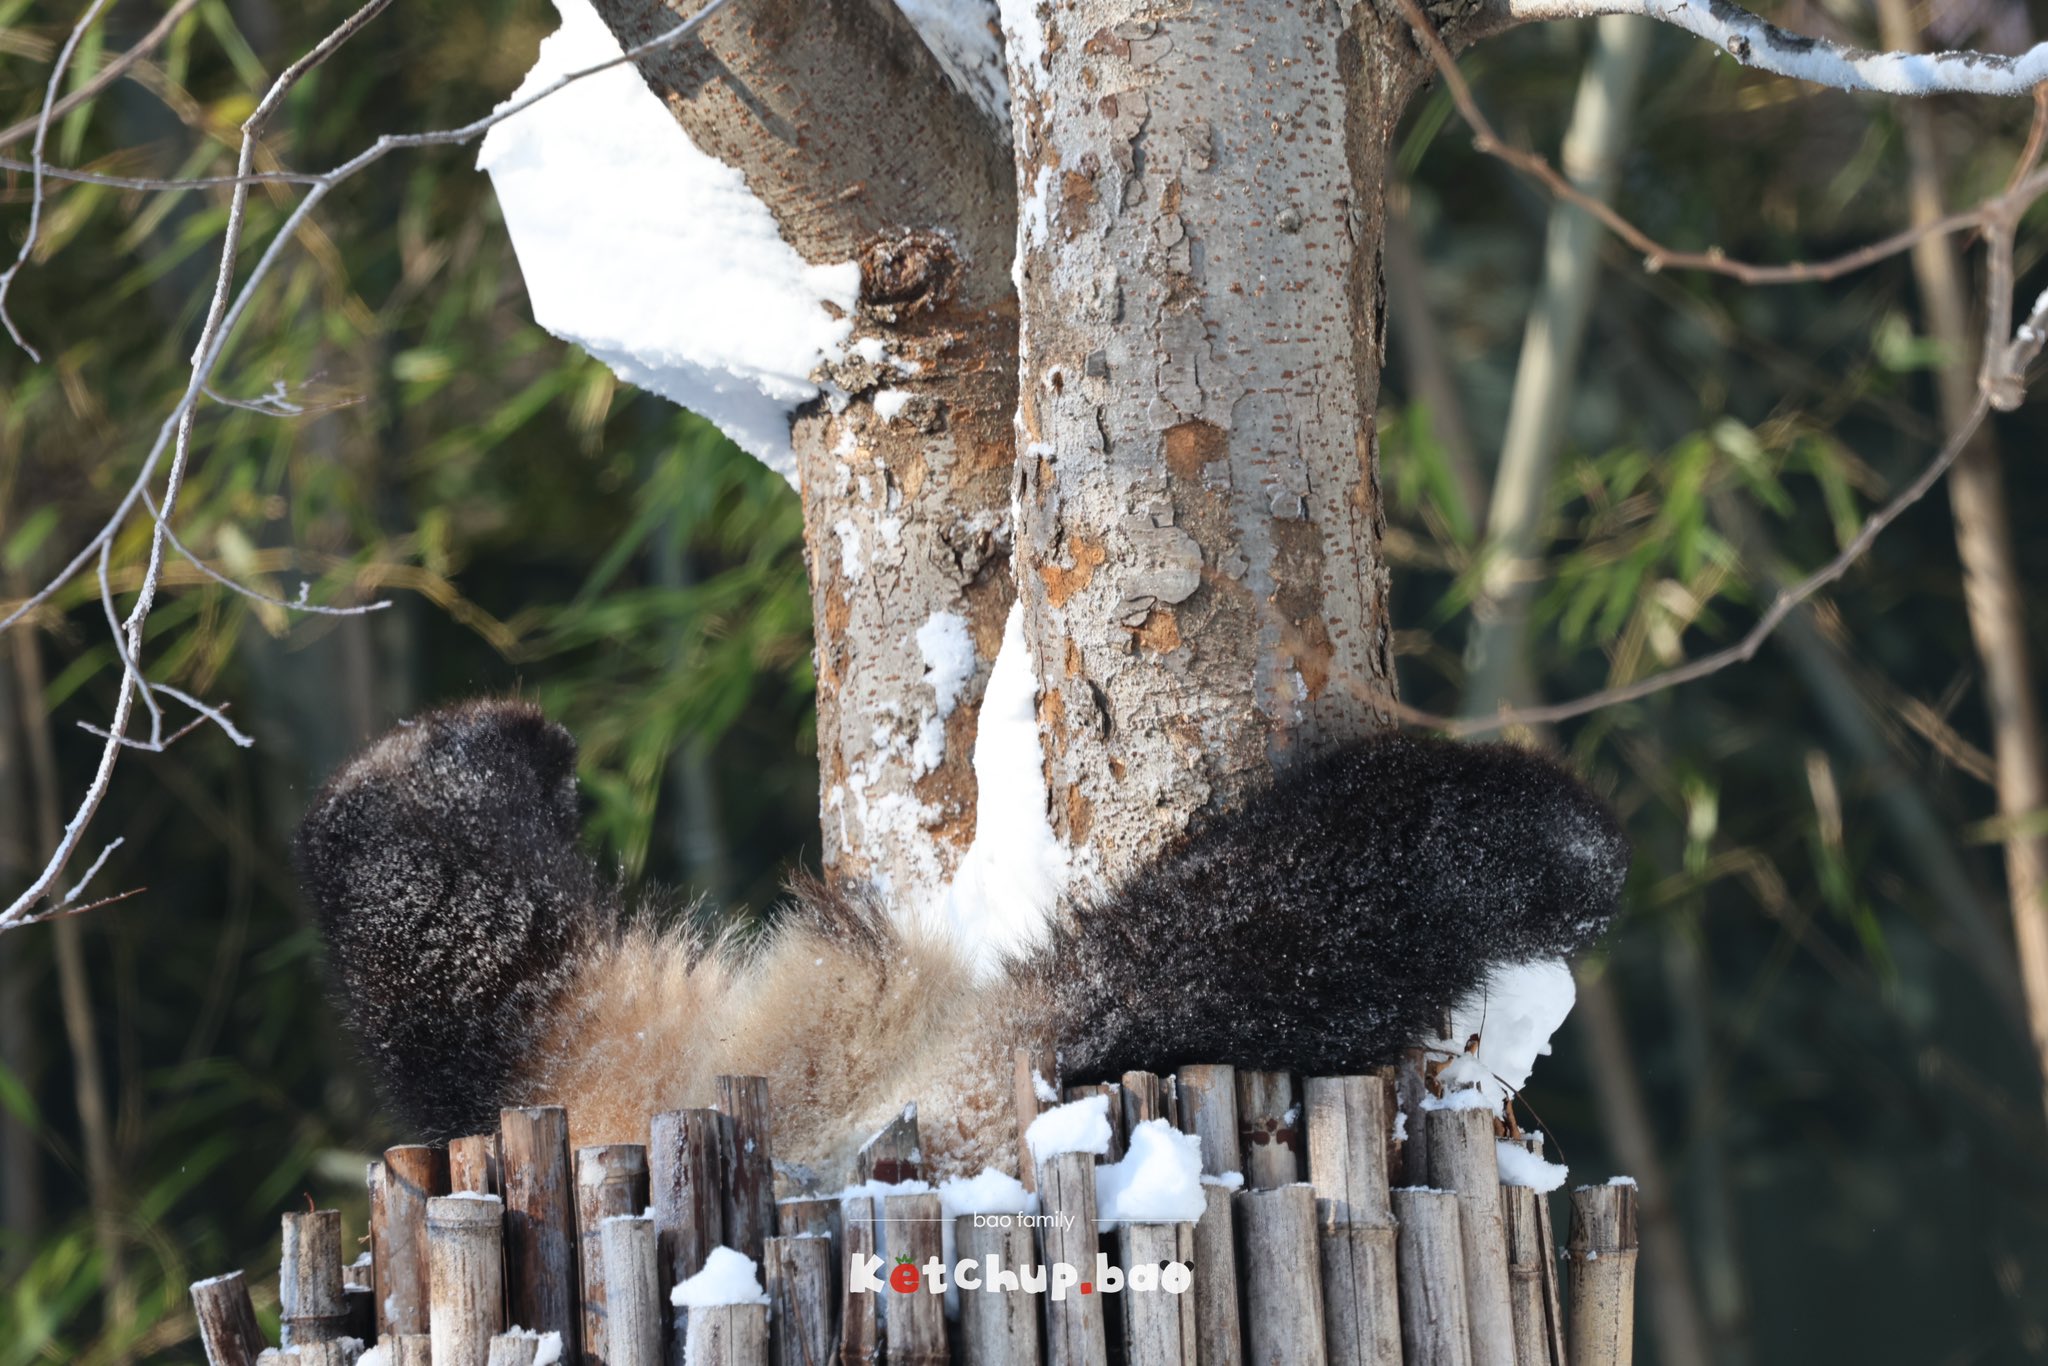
{"x": 1743, "y": 650}
{"x": 222, "y": 318}
{"x": 1766, "y": 47}
{"x": 35, "y": 202}
{"x": 1656, "y": 256}
{"x": 104, "y": 77}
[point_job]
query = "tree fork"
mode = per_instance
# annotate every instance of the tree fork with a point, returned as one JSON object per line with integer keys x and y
{"x": 1203, "y": 192}
{"x": 846, "y": 127}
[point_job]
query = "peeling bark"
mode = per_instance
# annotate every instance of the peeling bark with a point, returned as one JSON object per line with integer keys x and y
{"x": 1202, "y": 195}
{"x": 844, "y": 124}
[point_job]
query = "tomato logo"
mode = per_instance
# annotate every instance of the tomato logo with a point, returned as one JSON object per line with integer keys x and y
{"x": 903, "y": 1278}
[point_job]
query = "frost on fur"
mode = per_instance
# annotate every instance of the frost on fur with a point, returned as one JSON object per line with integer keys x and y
{"x": 1323, "y": 926}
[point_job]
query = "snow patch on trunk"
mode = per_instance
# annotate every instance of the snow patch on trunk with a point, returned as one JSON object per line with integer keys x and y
{"x": 655, "y": 257}
{"x": 1002, "y": 896}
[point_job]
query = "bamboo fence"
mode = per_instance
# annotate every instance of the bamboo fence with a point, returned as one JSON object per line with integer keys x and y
{"x": 505, "y": 1249}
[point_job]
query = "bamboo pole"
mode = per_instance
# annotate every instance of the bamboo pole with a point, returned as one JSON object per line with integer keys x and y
{"x": 1435, "y": 1330}
{"x": 408, "y": 1349}
{"x": 1410, "y": 1088}
{"x": 514, "y": 1349}
{"x": 1528, "y": 1250}
{"x": 860, "y": 1328}
{"x": 633, "y": 1298}
{"x": 473, "y": 1165}
{"x": 1269, "y": 1129}
{"x": 1208, "y": 1109}
{"x": 894, "y": 1154}
{"x": 997, "y": 1328}
{"x": 310, "y": 1303}
{"x": 466, "y": 1274}
{"x": 1348, "y": 1119}
{"x": 610, "y": 1180}
{"x": 1114, "y": 1113}
{"x": 228, "y": 1332}
{"x": 1463, "y": 1159}
{"x": 750, "y": 1173}
{"x": 1074, "y": 1329}
{"x": 1283, "y": 1290}
{"x": 1145, "y": 1096}
{"x": 1028, "y": 1068}
{"x": 685, "y": 1167}
{"x": 402, "y": 1183}
{"x": 916, "y": 1322}
{"x": 808, "y": 1214}
{"x": 1159, "y": 1326}
{"x": 798, "y": 1277}
{"x": 729, "y": 1335}
{"x": 1602, "y": 1261}
{"x": 540, "y": 1223}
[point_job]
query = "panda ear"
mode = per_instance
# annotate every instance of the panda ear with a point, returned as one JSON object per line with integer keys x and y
{"x": 444, "y": 865}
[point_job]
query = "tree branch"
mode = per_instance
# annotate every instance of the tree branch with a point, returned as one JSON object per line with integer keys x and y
{"x": 1755, "y": 42}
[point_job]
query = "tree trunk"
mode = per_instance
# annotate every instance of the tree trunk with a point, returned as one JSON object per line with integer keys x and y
{"x": 1203, "y": 193}
{"x": 848, "y": 130}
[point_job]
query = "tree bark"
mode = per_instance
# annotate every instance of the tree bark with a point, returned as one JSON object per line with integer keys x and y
{"x": 1203, "y": 193}
{"x": 846, "y": 127}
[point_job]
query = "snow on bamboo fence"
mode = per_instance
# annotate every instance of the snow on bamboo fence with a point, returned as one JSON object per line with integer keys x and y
{"x": 507, "y": 1249}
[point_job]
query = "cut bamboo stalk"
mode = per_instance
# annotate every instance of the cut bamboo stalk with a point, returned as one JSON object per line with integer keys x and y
{"x": 807, "y": 1214}
{"x": 1434, "y": 1328}
{"x": 401, "y": 1185}
{"x": 228, "y": 1332}
{"x": 1074, "y": 1330}
{"x": 466, "y": 1276}
{"x": 916, "y": 1323}
{"x": 1462, "y": 1158}
{"x": 998, "y": 1327}
{"x": 473, "y": 1165}
{"x": 860, "y": 1329}
{"x": 750, "y": 1175}
{"x": 408, "y": 1349}
{"x": 1219, "y": 1334}
{"x": 729, "y": 1335}
{"x": 1410, "y": 1087}
{"x": 1159, "y": 1326}
{"x": 310, "y": 1303}
{"x": 799, "y": 1283}
{"x": 633, "y": 1298}
{"x": 893, "y": 1155}
{"x": 1144, "y": 1096}
{"x": 1115, "y": 1114}
{"x": 1283, "y": 1292}
{"x": 1269, "y": 1129}
{"x": 1347, "y": 1124}
{"x": 514, "y": 1349}
{"x": 1602, "y": 1262}
{"x": 685, "y": 1167}
{"x": 540, "y": 1223}
{"x": 1527, "y": 1252}
{"x": 1208, "y": 1110}
{"x": 1553, "y": 1303}
{"x": 610, "y": 1180}
{"x": 1029, "y": 1068}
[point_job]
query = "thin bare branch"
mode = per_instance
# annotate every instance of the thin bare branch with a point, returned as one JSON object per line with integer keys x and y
{"x": 35, "y": 201}
{"x": 1757, "y": 43}
{"x": 105, "y": 76}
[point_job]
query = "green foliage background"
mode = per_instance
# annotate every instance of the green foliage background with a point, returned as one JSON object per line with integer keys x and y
{"x": 1846, "y": 1109}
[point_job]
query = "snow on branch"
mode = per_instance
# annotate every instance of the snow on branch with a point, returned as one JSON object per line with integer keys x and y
{"x": 1755, "y": 42}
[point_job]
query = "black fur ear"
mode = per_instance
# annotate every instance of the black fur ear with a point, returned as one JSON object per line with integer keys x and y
{"x": 443, "y": 862}
{"x": 1328, "y": 923}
